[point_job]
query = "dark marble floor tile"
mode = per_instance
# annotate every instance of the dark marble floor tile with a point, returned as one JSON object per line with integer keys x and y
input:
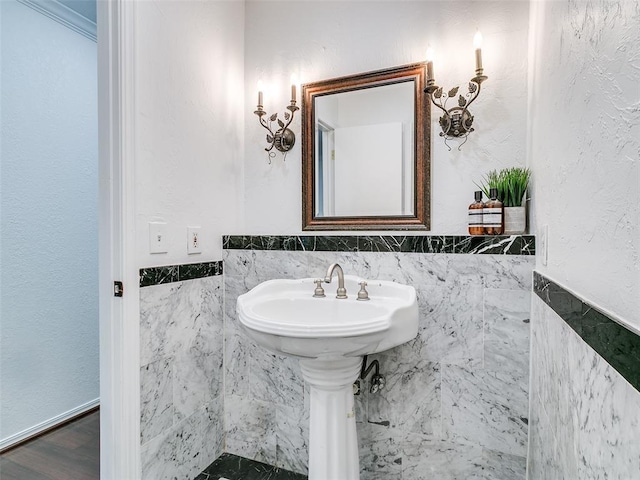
{"x": 232, "y": 467}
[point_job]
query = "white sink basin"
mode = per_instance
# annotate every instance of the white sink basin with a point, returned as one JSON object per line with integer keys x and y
{"x": 284, "y": 317}
{"x": 330, "y": 336}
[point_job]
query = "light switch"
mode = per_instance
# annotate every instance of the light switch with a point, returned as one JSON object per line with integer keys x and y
{"x": 157, "y": 237}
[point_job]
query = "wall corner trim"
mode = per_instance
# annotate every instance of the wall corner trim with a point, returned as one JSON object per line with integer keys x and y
{"x": 64, "y": 16}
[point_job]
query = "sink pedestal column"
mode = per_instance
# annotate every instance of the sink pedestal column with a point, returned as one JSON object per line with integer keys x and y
{"x": 333, "y": 443}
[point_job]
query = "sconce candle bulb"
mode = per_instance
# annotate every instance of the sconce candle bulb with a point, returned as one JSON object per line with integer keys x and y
{"x": 260, "y": 87}
{"x": 456, "y": 121}
{"x": 430, "y": 77}
{"x": 477, "y": 44}
{"x": 294, "y": 82}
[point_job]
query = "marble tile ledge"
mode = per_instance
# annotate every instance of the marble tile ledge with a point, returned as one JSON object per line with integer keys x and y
{"x": 461, "y": 244}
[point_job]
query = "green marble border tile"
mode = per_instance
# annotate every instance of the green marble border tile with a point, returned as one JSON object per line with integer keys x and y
{"x": 616, "y": 344}
{"x": 177, "y": 273}
{"x": 461, "y": 244}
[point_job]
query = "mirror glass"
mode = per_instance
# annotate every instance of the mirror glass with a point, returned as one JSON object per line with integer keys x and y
{"x": 366, "y": 151}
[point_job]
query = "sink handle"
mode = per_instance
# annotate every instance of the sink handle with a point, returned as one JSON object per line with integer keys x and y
{"x": 319, "y": 291}
{"x": 363, "y": 294}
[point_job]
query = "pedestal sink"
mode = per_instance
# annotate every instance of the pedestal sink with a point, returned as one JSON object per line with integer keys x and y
{"x": 330, "y": 336}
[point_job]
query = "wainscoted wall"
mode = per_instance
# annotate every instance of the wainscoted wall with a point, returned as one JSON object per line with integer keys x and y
{"x": 585, "y": 405}
{"x": 181, "y": 344}
{"x": 456, "y": 401}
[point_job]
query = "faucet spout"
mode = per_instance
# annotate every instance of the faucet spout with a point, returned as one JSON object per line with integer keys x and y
{"x": 342, "y": 292}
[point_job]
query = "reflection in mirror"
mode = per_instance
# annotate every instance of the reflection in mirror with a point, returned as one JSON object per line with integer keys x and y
{"x": 358, "y": 130}
{"x": 366, "y": 151}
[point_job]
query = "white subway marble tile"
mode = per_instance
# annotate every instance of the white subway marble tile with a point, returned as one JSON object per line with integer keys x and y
{"x": 606, "y": 411}
{"x": 197, "y": 380}
{"x": 509, "y": 272}
{"x": 157, "y": 306}
{"x": 351, "y": 262}
{"x": 506, "y": 331}
{"x": 502, "y": 466}
{"x": 251, "y": 429}
{"x": 483, "y": 408}
{"x": 360, "y": 402}
{"x": 256, "y": 266}
{"x": 383, "y": 407}
{"x": 198, "y": 358}
{"x": 449, "y": 331}
{"x": 238, "y": 263}
{"x": 428, "y": 458}
{"x": 282, "y": 264}
{"x": 380, "y": 450}
{"x": 186, "y": 449}
{"x": 407, "y": 268}
{"x": 156, "y": 399}
{"x": 410, "y": 402}
{"x": 555, "y": 388}
{"x": 542, "y": 460}
{"x": 174, "y": 317}
{"x": 450, "y": 324}
{"x": 208, "y": 425}
{"x": 158, "y": 456}
{"x": 275, "y": 379}
{"x": 292, "y": 438}
{"x": 237, "y": 347}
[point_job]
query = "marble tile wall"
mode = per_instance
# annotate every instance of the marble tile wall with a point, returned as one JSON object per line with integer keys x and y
{"x": 181, "y": 345}
{"x": 585, "y": 415}
{"x": 456, "y": 401}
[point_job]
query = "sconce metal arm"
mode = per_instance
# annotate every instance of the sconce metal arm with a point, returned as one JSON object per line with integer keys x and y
{"x": 456, "y": 121}
{"x": 283, "y": 138}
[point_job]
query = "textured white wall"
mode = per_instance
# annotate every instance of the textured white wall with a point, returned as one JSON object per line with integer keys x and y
{"x": 189, "y": 130}
{"x": 49, "y": 231}
{"x": 328, "y": 39}
{"x": 585, "y": 148}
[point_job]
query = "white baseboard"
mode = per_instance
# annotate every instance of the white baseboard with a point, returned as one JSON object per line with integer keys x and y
{"x": 47, "y": 424}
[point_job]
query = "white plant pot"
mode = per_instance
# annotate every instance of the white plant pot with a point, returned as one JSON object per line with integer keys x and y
{"x": 515, "y": 220}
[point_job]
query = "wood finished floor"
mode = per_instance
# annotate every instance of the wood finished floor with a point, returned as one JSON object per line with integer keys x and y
{"x": 71, "y": 452}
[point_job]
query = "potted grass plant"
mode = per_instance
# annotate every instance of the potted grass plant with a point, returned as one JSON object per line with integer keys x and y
{"x": 512, "y": 184}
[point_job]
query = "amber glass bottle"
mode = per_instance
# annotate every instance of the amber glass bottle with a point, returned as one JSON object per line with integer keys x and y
{"x": 476, "y": 226}
{"x": 492, "y": 214}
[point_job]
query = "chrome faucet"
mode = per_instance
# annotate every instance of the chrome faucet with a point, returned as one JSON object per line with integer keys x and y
{"x": 342, "y": 292}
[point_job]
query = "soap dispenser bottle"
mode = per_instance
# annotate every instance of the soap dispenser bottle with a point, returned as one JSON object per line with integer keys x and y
{"x": 476, "y": 225}
{"x": 492, "y": 214}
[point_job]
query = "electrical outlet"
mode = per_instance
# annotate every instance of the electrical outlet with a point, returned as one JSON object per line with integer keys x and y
{"x": 544, "y": 245}
{"x": 194, "y": 240}
{"x": 157, "y": 237}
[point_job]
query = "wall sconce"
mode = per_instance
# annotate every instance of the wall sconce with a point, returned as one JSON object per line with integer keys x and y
{"x": 283, "y": 139}
{"x": 457, "y": 121}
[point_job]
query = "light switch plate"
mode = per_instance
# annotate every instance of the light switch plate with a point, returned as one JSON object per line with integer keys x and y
{"x": 157, "y": 237}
